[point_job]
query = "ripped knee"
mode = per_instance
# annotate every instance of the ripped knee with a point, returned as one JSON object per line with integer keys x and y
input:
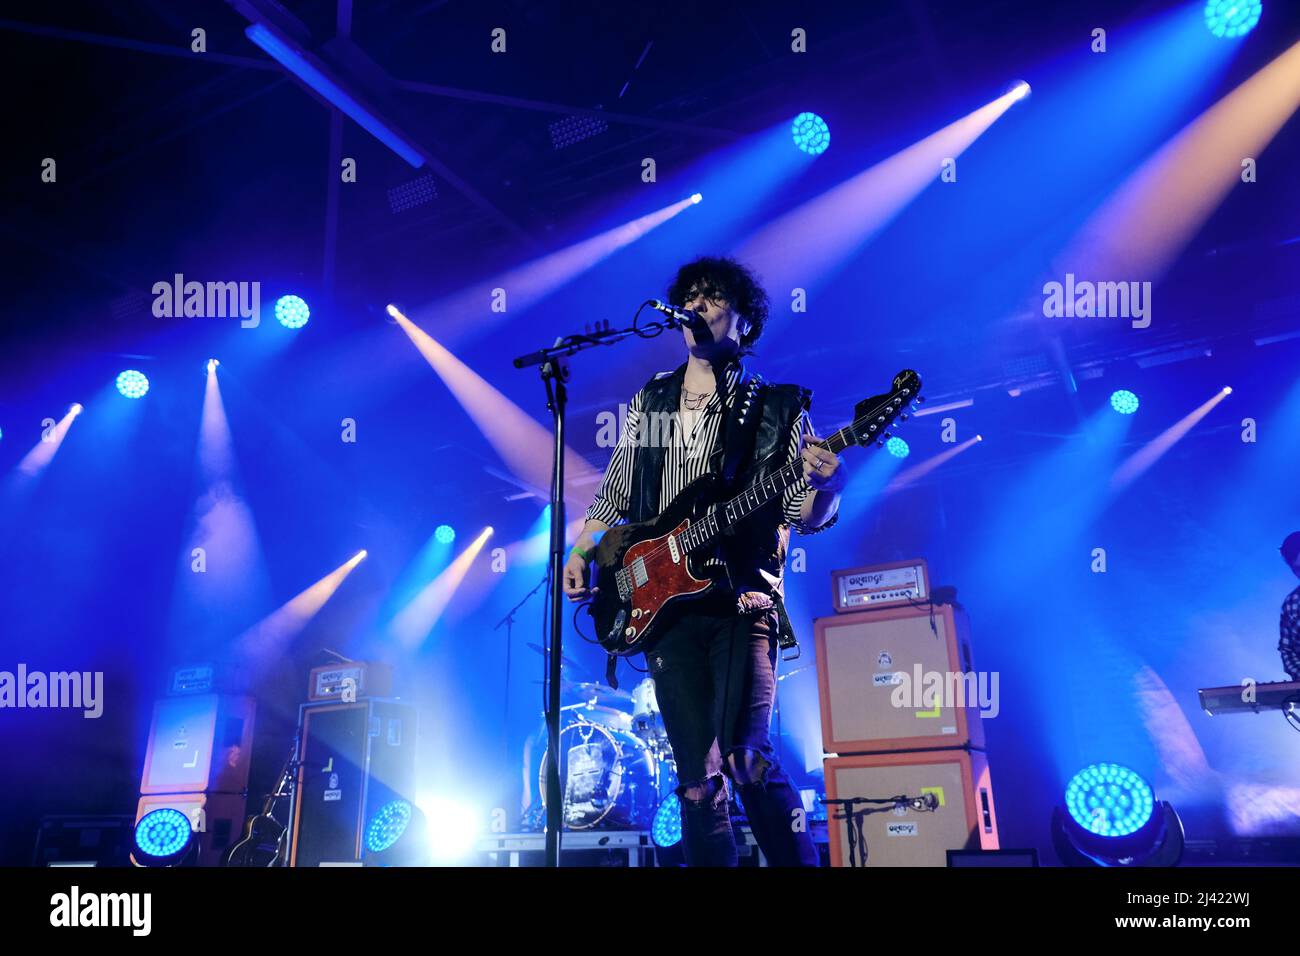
{"x": 709, "y": 791}
{"x": 747, "y": 766}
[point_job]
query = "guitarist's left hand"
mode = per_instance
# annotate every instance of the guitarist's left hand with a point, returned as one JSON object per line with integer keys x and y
{"x": 821, "y": 467}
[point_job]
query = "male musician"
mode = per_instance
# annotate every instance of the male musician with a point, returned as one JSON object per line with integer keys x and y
{"x": 714, "y": 667}
{"x": 1289, "y": 625}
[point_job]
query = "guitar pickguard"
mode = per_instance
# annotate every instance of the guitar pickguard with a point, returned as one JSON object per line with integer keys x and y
{"x": 655, "y": 572}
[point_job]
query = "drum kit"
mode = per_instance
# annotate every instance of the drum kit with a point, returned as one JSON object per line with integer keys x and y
{"x": 615, "y": 763}
{"x": 616, "y": 766}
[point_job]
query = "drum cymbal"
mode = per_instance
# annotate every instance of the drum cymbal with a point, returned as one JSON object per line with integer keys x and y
{"x": 588, "y": 690}
{"x": 565, "y": 658}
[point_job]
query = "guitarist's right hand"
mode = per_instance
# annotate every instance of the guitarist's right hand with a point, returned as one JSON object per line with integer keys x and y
{"x": 575, "y": 578}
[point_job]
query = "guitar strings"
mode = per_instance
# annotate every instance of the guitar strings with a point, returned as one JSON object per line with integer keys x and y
{"x": 790, "y": 467}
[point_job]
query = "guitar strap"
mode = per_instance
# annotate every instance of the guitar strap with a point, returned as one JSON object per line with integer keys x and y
{"x": 739, "y": 447}
{"x": 740, "y": 434}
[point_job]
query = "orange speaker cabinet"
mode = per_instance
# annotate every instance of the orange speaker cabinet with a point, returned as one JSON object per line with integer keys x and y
{"x": 887, "y": 680}
{"x": 958, "y": 780}
{"x": 199, "y": 742}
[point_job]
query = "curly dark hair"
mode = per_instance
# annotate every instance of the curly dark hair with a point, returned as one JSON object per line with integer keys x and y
{"x": 724, "y": 278}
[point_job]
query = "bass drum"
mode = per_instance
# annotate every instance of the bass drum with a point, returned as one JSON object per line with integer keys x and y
{"x": 609, "y": 777}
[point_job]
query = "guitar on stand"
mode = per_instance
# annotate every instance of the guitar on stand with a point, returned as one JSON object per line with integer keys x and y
{"x": 263, "y": 843}
{"x": 644, "y": 568}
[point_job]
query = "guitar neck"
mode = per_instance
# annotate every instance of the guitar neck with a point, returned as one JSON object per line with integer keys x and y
{"x": 755, "y": 497}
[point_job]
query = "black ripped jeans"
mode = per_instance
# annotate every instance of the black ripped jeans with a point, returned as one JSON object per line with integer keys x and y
{"x": 715, "y": 680}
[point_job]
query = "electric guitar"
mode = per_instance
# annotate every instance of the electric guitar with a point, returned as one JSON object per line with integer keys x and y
{"x": 643, "y": 569}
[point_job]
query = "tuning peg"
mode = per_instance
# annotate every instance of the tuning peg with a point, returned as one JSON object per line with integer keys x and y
{"x": 904, "y": 417}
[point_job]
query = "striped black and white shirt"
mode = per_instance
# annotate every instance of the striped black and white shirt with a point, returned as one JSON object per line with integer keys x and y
{"x": 687, "y": 456}
{"x": 1289, "y": 640}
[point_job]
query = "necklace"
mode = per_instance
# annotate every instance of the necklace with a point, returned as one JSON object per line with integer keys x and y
{"x": 694, "y": 401}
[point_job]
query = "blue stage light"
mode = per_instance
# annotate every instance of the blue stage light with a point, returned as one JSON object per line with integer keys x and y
{"x": 897, "y": 447}
{"x": 811, "y": 134}
{"x": 666, "y": 828}
{"x": 387, "y": 826}
{"x": 1232, "y": 18}
{"x": 132, "y": 384}
{"x": 1109, "y": 800}
{"x": 291, "y": 311}
{"x": 162, "y": 837}
{"x": 1124, "y": 401}
{"x": 445, "y": 534}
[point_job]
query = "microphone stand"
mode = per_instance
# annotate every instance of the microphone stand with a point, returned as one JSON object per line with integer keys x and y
{"x": 854, "y": 809}
{"x": 509, "y": 622}
{"x": 555, "y": 374}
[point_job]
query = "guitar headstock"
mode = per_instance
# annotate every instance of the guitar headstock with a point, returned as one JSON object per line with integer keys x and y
{"x": 872, "y": 416}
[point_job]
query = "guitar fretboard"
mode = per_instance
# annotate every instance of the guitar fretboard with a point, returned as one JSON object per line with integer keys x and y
{"x": 757, "y": 495}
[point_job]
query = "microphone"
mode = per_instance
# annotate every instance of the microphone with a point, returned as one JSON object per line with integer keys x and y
{"x": 687, "y": 317}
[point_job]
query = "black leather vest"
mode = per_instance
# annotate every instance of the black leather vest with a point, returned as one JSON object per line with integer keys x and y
{"x": 759, "y": 542}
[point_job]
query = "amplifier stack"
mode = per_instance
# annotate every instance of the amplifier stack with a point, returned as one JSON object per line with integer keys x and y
{"x": 356, "y": 753}
{"x": 907, "y": 778}
{"x": 200, "y": 744}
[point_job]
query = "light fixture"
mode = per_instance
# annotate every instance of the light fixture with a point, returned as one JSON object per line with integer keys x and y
{"x": 1124, "y": 401}
{"x": 1112, "y": 818}
{"x": 163, "y": 837}
{"x": 811, "y": 134}
{"x": 666, "y": 828}
{"x": 395, "y": 835}
{"x": 291, "y": 311}
{"x": 132, "y": 384}
{"x": 1232, "y": 18}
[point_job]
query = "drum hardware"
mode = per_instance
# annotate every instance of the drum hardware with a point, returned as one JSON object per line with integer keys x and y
{"x": 616, "y": 766}
{"x": 569, "y": 661}
{"x": 609, "y": 777}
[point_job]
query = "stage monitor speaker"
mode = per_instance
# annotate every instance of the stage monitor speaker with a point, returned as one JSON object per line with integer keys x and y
{"x": 199, "y": 743}
{"x": 354, "y": 758}
{"x": 877, "y": 676}
{"x": 216, "y": 818}
{"x": 75, "y": 840}
{"x": 955, "y": 782}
